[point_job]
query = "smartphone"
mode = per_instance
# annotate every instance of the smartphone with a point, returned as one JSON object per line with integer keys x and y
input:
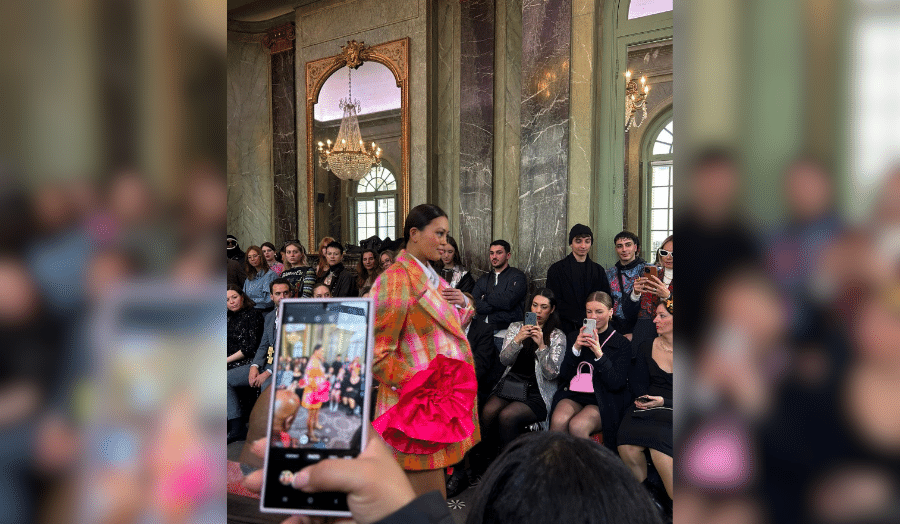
{"x": 530, "y": 318}
{"x": 590, "y": 326}
{"x": 315, "y": 339}
{"x": 645, "y": 399}
{"x": 651, "y": 271}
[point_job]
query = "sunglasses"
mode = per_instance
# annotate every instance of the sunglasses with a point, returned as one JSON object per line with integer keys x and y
{"x": 664, "y": 253}
{"x": 230, "y": 243}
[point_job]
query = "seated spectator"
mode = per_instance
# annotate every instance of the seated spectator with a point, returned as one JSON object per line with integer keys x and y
{"x": 499, "y": 293}
{"x": 340, "y": 280}
{"x": 298, "y": 273}
{"x": 647, "y": 423}
{"x": 321, "y": 290}
{"x": 351, "y": 387}
{"x": 322, "y": 265}
{"x": 621, "y": 278}
{"x": 261, "y": 368}
{"x": 272, "y": 259}
{"x": 245, "y": 328}
{"x": 236, "y": 273}
{"x": 575, "y": 277}
{"x": 648, "y": 292}
{"x": 453, "y": 271}
{"x": 367, "y": 270}
{"x": 532, "y": 354}
{"x": 387, "y": 258}
{"x": 259, "y": 277}
{"x": 584, "y": 407}
{"x": 233, "y": 249}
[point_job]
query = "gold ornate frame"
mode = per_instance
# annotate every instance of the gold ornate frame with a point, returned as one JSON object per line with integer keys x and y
{"x": 395, "y": 56}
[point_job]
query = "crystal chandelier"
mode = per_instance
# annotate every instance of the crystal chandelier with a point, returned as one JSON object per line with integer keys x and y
{"x": 348, "y": 157}
{"x": 635, "y": 101}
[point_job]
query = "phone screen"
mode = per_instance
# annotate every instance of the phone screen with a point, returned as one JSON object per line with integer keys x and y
{"x": 321, "y": 397}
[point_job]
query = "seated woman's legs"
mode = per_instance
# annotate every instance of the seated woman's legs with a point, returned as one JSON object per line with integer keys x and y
{"x": 633, "y": 457}
{"x": 513, "y": 418}
{"x": 564, "y": 411}
{"x": 663, "y": 464}
{"x": 585, "y": 422}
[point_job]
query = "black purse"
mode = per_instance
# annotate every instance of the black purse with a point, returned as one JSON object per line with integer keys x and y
{"x": 513, "y": 388}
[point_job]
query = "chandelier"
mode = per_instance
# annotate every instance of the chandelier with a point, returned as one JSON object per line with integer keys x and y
{"x": 348, "y": 157}
{"x": 635, "y": 101}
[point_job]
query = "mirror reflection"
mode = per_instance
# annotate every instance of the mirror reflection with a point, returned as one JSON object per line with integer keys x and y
{"x": 354, "y": 210}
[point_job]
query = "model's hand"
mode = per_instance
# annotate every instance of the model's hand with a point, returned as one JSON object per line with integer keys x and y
{"x": 454, "y": 296}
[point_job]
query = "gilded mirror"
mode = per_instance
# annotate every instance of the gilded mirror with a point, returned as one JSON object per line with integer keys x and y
{"x": 377, "y": 76}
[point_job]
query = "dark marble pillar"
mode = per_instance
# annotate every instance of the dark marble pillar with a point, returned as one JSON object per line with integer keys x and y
{"x": 476, "y": 135}
{"x": 543, "y": 179}
{"x": 280, "y": 42}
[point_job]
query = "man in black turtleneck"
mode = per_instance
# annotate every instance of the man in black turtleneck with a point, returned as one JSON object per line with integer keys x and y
{"x": 621, "y": 278}
{"x": 575, "y": 277}
{"x": 340, "y": 280}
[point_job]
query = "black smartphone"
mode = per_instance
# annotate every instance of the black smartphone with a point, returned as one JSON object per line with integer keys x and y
{"x": 530, "y": 318}
{"x": 323, "y": 348}
{"x": 645, "y": 399}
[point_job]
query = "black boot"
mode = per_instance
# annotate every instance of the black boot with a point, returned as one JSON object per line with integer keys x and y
{"x": 660, "y": 499}
{"x": 237, "y": 429}
{"x": 458, "y": 481}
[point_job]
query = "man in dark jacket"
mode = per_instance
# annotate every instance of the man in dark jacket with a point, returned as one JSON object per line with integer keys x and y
{"x": 575, "y": 277}
{"x": 500, "y": 294}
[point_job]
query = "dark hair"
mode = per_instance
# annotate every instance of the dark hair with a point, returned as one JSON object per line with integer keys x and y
{"x": 457, "y": 259}
{"x": 279, "y": 280}
{"x": 335, "y": 244}
{"x": 502, "y": 243}
{"x": 553, "y": 476}
{"x": 420, "y": 216}
{"x": 248, "y": 302}
{"x": 321, "y": 284}
{"x": 553, "y": 320}
{"x": 272, "y": 247}
{"x": 363, "y": 273}
{"x": 321, "y": 265}
{"x": 251, "y": 271}
{"x": 630, "y": 236}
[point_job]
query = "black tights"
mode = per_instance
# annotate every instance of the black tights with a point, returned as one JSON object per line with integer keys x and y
{"x": 513, "y": 417}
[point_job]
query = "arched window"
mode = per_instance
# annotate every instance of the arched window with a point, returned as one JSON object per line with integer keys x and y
{"x": 660, "y": 180}
{"x": 376, "y": 205}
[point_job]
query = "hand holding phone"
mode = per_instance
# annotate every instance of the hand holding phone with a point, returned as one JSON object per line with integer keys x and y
{"x": 651, "y": 271}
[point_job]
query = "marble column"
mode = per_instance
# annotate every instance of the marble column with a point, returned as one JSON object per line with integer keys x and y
{"x": 280, "y": 42}
{"x": 476, "y": 135}
{"x": 543, "y": 179}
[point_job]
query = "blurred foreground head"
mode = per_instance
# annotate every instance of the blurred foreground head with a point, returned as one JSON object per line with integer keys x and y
{"x": 714, "y": 184}
{"x": 555, "y": 477}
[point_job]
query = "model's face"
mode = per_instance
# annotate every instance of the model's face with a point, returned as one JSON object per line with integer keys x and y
{"x": 269, "y": 253}
{"x": 499, "y": 257}
{"x": 542, "y": 308}
{"x": 447, "y": 253}
{"x": 280, "y": 291}
{"x": 254, "y": 258}
{"x": 626, "y": 249}
{"x": 599, "y": 312}
{"x": 333, "y": 256}
{"x": 581, "y": 246}
{"x": 321, "y": 292}
{"x": 663, "y": 320}
{"x": 426, "y": 243}
{"x": 293, "y": 255}
{"x": 234, "y": 300}
{"x": 666, "y": 258}
{"x": 368, "y": 260}
{"x": 386, "y": 261}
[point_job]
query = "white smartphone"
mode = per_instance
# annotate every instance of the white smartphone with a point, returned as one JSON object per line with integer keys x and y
{"x": 590, "y": 326}
{"x": 323, "y": 348}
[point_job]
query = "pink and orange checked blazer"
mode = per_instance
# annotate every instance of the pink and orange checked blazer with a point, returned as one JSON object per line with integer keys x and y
{"x": 414, "y": 324}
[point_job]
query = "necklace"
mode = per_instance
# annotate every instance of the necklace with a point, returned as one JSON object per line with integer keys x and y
{"x": 664, "y": 348}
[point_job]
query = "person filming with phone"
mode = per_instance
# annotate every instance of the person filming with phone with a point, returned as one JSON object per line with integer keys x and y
{"x": 654, "y": 286}
{"x": 593, "y": 376}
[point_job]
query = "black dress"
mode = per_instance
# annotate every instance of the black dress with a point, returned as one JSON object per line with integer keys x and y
{"x": 649, "y": 428}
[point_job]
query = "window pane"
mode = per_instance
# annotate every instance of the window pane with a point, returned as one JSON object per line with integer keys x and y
{"x": 659, "y": 219}
{"x": 659, "y": 197}
{"x": 656, "y": 240}
{"x": 661, "y": 175}
{"x": 382, "y": 205}
{"x": 641, "y": 8}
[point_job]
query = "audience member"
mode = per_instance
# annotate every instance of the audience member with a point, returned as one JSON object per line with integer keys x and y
{"x": 338, "y": 278}
{"x": 321, "y": 290}
{"x": 452, "y": 270}
{"x": 322, "y": 265}
{"x": 387, "y": 258}
{"x": 593, "y": 376}
{"x": 271, "y": 256}
{"x": 245, "y": 328}
{"x": 233, "y": 249}
{"x": 261, "y": 369}
{"x": 647, "y": 423}
{"x": 499, "y": 293}
{"x": 575, "y": 277}
{"x": 259, "y": 278}
{"x": 532, "y": 354}
{"x": 621, "y": 277}
{"x": 648, "y": 291}
{"x": 367, "y": 270}
{"x": 236, "y": 273}
{"x": 301, "y": 276}
{"x": 351, "y": 387}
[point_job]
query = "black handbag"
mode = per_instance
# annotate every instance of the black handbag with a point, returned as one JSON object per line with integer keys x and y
{"x": 513, "y": 388}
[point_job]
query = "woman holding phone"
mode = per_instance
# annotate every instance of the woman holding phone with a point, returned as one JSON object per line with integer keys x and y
{"x": 532, "y": 354}
{"x": 593, "y": 376}
{"x": 648, "y": 421}
{"x": 649, "y": 290}
{"x": 426, "y": 408}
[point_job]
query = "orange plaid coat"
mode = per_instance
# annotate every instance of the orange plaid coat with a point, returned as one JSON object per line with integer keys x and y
{"x": 414, "y": 324}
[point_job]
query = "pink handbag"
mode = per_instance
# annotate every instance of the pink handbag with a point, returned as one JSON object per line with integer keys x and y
{"x": 582, "y": 382}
